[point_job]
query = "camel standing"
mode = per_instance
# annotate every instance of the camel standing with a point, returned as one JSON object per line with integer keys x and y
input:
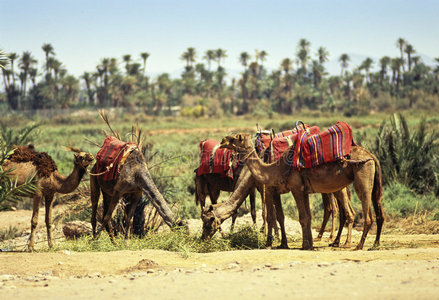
{"x": 362, "y": 169}
{"x": 25, "y": 162}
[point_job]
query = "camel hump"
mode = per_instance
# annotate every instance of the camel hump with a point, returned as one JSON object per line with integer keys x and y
{"x": 41, "y": 160}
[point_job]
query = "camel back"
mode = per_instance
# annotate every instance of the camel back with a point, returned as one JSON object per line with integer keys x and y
{"x": 111, "y": 156}
{"x": 215, "y": 160}
{"x": 311, "y": 150}
{"x": 275, "y": 145}
{"x": 44, "y": 164}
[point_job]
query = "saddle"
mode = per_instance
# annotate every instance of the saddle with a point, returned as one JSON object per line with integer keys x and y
{"x": 111, "y": 156}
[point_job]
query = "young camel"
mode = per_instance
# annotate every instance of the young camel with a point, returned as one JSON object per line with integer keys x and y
{"x": 25, "y": 162}
{"x": 362, "y": 169}
{"x": 134, "y": 178}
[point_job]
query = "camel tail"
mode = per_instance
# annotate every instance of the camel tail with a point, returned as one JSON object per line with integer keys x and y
{"x": 377, "y": 194}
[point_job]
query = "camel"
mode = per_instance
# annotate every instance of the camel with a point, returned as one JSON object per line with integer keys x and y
{"x": 134, "y": 178}
{"x": 212, "y": 184}
{"x": 362, "y": 169}
{"x": 273, "y": 209}
{"x": 25, "y": 162}
{"x": 269, "y": 146}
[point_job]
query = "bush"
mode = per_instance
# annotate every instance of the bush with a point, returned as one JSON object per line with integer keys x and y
{"x": 410, "y": 158}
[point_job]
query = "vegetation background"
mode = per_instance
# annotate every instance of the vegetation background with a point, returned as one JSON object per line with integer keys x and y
{"x": 392, "y": 109}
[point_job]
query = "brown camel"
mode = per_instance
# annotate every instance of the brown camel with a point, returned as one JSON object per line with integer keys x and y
{"x": 134, "y": 178}
{"x": 25, "y": 162}
{"x": 362, "y": 169}
{"x": 269, "y": 146}
{"x": 212, "y": 184}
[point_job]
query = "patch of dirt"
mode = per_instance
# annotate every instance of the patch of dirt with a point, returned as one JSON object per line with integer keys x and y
{"x": 406, "y": 267}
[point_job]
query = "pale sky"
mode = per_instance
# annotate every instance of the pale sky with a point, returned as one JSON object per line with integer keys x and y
{"x": 85, "y": 31}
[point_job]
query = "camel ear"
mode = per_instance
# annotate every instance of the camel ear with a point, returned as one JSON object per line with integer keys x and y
{"x": 240, "y": 137}
{"x": 212, "y": 219}
{"x": 210, "y": 208}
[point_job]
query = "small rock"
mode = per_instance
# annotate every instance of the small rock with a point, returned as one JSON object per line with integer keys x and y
{"x": 6, "y": 277}
{"x": 150, "y": 271}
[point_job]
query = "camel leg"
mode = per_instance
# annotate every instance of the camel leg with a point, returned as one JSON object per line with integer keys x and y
{"x": 280, "y": 219}
{"x": 336, "y": 242}
{"x": 380, "y": 221}
{"x": 107, "y": 217}
{"x": 264, "y": 210}
{"x": 48, "y": 201}
{"x": 200, "y": 191}
{"x": 302, "y": 202}
{"x": 94, "y": 198}
{"x": 326, "y": 198}
{"x": 133, "y": 201}
{"x": 34, "y": 221}
{"x": 348, "y": 211}
{"x": 334, "y": 212}
{"x": 363, "y": 184}
{"x": 106, "y": 199}
{"x": 253, "y": 205}
{"x": 270, "y": 219}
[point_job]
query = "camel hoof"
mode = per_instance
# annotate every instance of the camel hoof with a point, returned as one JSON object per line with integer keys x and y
{"x": 346, "y": 246}
{"x": 281, "y": 246}
{"x": 334, "y": 244}
{"x": 318, "y": 239}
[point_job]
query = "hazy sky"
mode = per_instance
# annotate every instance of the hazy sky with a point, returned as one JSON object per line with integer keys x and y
{"x": 85, "y": 31}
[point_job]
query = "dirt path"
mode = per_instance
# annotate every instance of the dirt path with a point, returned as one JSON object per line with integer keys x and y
{"x": 408, "y": 268}
{"x": 153, "y": 274}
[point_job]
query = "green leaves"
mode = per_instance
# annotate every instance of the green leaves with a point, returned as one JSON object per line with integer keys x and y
{"x": 408, "y": 157}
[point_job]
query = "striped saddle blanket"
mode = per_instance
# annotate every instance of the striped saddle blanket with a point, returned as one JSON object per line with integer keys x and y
{"x": 111, "y": 157}
{"x": 274, "y": 145}
{"x": 311, "y": 150}
{"x": 215, "y": 160}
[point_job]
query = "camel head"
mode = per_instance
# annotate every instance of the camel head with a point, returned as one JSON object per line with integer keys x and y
{"x": 241, "y": 142}
{"x": 211, "y": 223}
{"x": 83, "y": 159}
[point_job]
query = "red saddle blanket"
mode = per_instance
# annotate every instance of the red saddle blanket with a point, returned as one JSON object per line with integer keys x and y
{"x": 330, "y": 145}
{"x": 109, "y": 157}
{"x": 275, "y": 145}
{"x": 215, "y": 160}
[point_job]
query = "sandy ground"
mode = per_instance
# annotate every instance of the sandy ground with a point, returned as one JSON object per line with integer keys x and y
{"x": 407, "y": 268}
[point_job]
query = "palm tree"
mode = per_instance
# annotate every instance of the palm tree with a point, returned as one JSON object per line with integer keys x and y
{"x": 344, "y": 61}
{"x": 409, "y": 50}
{"x": 244, "y": 57}
{"x": 366, "y": 65}
{"x": 322, "y": 54}
{"x": 144, "y": 56}
{"x": 286, "y": 65}
{"x": 127, "y": 59}
{"x": 4, "y": 59}
{"x": 209, "y": 57}
{"x": 220, "y": 55}
{"x": 396, "y": 66}
{"x": 384, "y": 63}
{"x": 261, "y": 56}
{"x": 48, "y": 49}
{"x": 26, "y": 63}
{"x": 303, "y": 54}
{"x": 401, "y": 43}
{"x": 189, "y": 56}
{"x": 88, "y": 78}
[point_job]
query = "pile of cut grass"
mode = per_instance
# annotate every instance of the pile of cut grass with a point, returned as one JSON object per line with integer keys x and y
{"x": 178, "y": 240}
